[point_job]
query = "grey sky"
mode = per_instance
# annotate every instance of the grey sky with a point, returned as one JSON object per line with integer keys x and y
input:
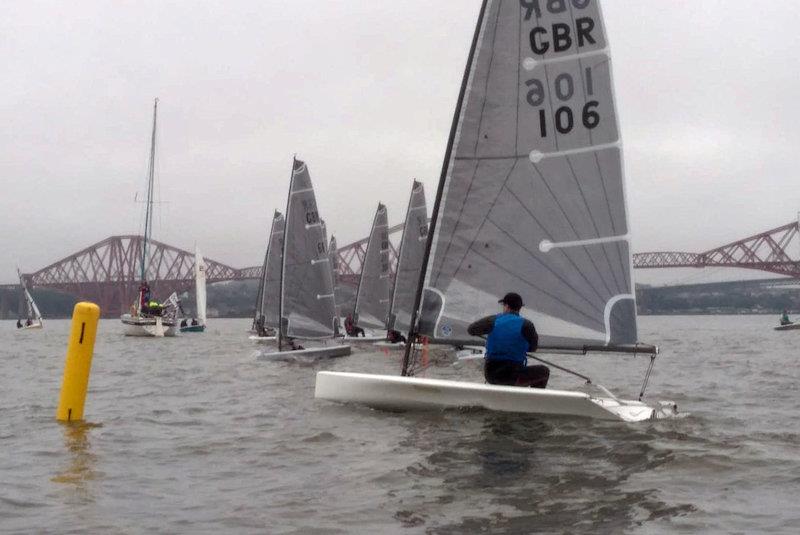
{"x": 364, "y": 93}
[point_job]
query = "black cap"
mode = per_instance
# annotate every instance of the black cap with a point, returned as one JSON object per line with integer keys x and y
{"x": 514, "y": 301}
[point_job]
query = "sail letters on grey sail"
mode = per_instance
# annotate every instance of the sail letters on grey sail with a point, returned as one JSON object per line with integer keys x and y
{"x": 533, "y": 196}
{"x": 307, "y": 301}
{"x": 409, "y": 259}
{"x": 374, "y": 286}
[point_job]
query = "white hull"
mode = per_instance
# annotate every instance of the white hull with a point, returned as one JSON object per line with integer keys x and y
{"x": 147, "y": 327}
{"x": 312, "y": 353}
{"x": 368, "y": 339}
{"x": 262, "y": 339}
{"x": 789, "y": 327}
{"x": 412, "y": 393}
{"x": 30, "y": 327}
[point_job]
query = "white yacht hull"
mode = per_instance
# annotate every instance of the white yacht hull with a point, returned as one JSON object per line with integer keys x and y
{"x": 368, "y": 339}
{"x": 262, "y": 339}
{"x": 788, "y": 327}
{"x": 147, "y": 327}
{"x": 411, "y": 393}
{"x": 312, "y": 353}
{"x": 30, "y": 327}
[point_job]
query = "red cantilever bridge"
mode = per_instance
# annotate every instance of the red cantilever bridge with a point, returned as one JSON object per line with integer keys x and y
{"x": 107, "y": 272}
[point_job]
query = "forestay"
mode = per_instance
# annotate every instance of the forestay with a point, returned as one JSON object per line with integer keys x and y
{"x": 372, "y": 297}
{"x": 307, "y": 304}
{"x": 409, "y": 262}
{"x": 272, "y": 273}
{"x": 532, "y": 199}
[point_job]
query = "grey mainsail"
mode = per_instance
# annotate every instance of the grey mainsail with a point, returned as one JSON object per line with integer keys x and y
{"x": 409, "y": 260}
{"x": 307, "y": 307}
{"x": 272, "y": 273}
{"x": 372, "y": 297}
{"x": 532, "y": 194}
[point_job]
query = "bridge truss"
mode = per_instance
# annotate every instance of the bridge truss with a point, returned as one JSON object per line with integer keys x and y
{"x": 108, "y": 271}
{"x": 767, "y": 251}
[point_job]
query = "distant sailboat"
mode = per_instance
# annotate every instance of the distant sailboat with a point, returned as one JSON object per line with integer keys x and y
{"x": 371, "y": 311}
{"x": 33, "y": 318}
{"x": 307, "y": 308}
{"x": 200, "y": 295}
{"x": 266, "y": 323}
{"x": 530, "y": 200}
{"x": 409, "y": 261}
{"x": 148, "y": 317}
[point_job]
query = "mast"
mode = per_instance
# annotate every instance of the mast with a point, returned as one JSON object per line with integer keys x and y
{"x": 148, "y": 218}
{"x": 440, "y": 190}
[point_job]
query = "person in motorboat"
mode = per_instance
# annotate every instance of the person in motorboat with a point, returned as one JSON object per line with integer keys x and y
{"x": 195, "y": 322}
{"x": 395, "y": 337}
{"x": 351, "y": 328}
{"x": 183, "y": 322}
{"x": 785, "y": 318}
{"x": 19, "y": 323}
{"x": 509, "y": 339}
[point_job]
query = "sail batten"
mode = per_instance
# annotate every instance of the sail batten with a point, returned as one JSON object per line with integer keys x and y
{"x": 531, "y": 198}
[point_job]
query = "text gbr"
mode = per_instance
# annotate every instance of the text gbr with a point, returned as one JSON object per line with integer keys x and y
{"x": 559, "y": 34}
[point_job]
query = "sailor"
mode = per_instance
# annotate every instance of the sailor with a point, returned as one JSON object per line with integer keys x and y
{"x": 194, "y": 322}
{"x": 351, "y": 328}
{"x": 28, "y": 322}
{"x": 154, "y": 308}
{"x": 510, "y": 338}
{"x": 19, "y": 323}
{"x": 183, "y": 322}
{"x": 785, "y": 318}
{"x": 395, "y": 337}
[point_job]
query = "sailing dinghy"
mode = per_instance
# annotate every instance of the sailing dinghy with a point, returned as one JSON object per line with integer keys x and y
{"x": 371, "y": 309}
{"x": 266, "y": 323}
{"x": 147, "y": 317}
{"x": 200, "y": 295}
{"x": 33, "y": 316}
{"x": 530, "y": 200}
{"x": 409, "y": 265}
{"x": 307, "y": 310}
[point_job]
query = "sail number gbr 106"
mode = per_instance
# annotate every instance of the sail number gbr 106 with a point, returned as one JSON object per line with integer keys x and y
{"x": 564, "y": 117}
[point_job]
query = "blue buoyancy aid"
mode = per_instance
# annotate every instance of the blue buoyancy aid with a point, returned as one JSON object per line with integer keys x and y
{"x": 506, "y": 342}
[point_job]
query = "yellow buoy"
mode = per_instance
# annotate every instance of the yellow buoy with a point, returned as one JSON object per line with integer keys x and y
{"x": 79, "y": 362}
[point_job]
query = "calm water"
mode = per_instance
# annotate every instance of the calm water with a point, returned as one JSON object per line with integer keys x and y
{"x": 194, "y": 435}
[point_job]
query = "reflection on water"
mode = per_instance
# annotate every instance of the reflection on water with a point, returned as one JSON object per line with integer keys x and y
{"x": 521, "y": 475}
{"x": 80, "y": 469}
{"x": 200, "y": 437}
